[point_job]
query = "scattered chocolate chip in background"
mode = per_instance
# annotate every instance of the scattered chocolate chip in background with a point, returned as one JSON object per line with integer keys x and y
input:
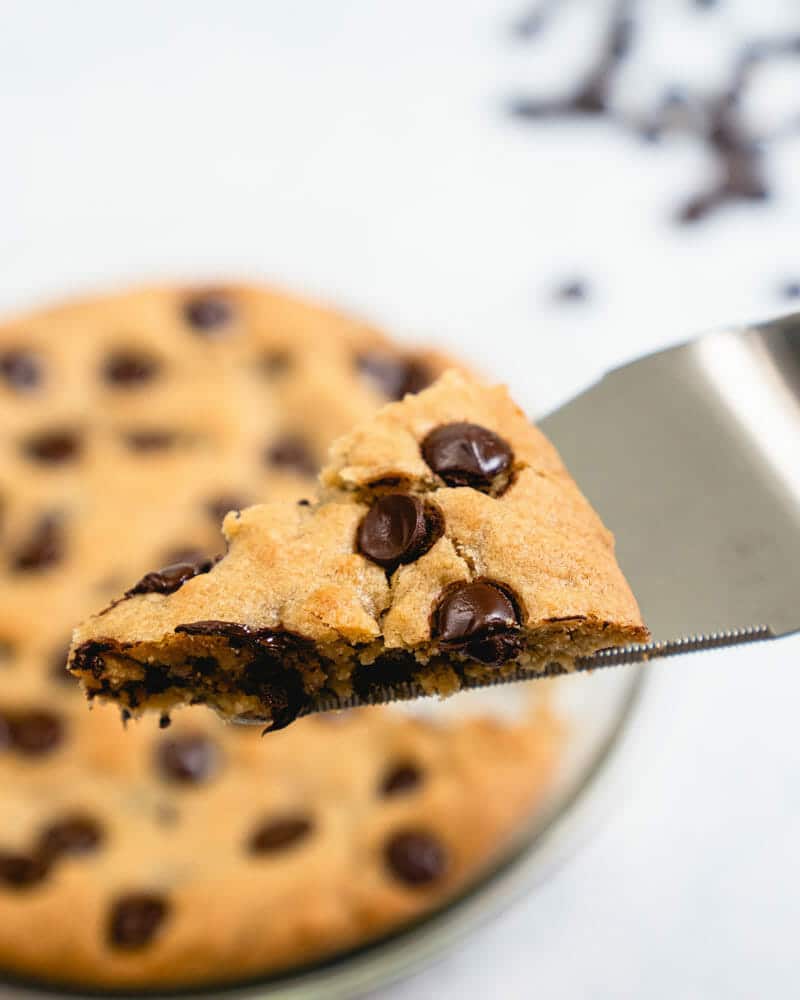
{"x": 208, "y": 314}
{"x": 135, "y": 919}
{"x": 35, "y": 732}
{"x": 572, "y": 290}
{"x": 20, "y": 369}
{"x": 53, "y": 447}
{"x": 416, "y": 858}
{"x": 149, "y": 440}
{"x": 43, "y": 548}
{"x": 717, "y": 122}
{"x": 75, "y": 834}
{"x": 276, "y": 362}
{"x": 129, "y": 367}
{"x": 219, "y": 506}
{"x": 21, "y": 871}
{"x": 395, "y": 376}
{"x": 292, "y": 454}
{"x": 402, "y": 778}
{"x": 279, "y": 834}
{"x": 188, "y": 759}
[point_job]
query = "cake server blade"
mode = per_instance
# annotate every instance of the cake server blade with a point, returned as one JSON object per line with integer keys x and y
{"x": 691, "y": 456}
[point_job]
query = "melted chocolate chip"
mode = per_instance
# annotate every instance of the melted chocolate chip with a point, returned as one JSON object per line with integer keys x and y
{"x": 42, "y": 549}
{"x": 398, "y": 528}
{"x": 21, "y": 871}
{"x": 170, "y": 578}
{"x": 278, "y": 834}
{"x": 129, "y": 368}
{"x": 467, "y": 454}
{"x": 219, "y": 506}
{"x": 20, "y": 369}
{"x": 389, "y": 670}
{"x": 395, "y": 376}
{"x": 291, "y": 454}
{"x": 72, "y": 835}
{"x": 208, "y": 314}
{"x": 479, "y": 619}
{"x": 35, "y": 732}
{"x": 402, "y": 778}
{"x": 53, "y": 447}
{"x": 266, "y": 640}
{"x": 164, "y": 721}
{"x": 188, "y": 759}
{"x": 149, "y": 440}
{"x": 135, "y": 919}
{"x": 415, "y": 857}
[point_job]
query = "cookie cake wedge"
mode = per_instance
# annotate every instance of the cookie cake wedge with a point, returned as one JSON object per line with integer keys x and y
{"x": 446, "y": 541}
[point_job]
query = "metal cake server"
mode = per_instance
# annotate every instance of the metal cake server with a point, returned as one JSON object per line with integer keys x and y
{"x": 691, "y": 456}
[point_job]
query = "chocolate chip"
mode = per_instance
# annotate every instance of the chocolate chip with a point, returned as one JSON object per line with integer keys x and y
{"x": 129, "y": 368}
{"x": 72, "y": 835}
{"x": 164, "y": 720}
{"x": 170, "y": 578}
{"x": 149, "y": 440}
{"x": 573, "y": 290}
{"x": 467, "y": 454}
{"x": 479, "y": 619}
{"x": 388, "y": 671}
{"x": 21, "y": 871}
{"x": 398, "y": 528}
{"x": 135, "y": 919}
{"x": 416, "y": 857}
{"x": 5, "y": 732}
{"x": 278, "y": 834}
{"x": 403, "y": 777}
{"x": 219, "y": 506}
{"x": 303, "y": 503}
{"x": 53, "y": 447}
{"x": 20, "y": 369}
{"x": 208, "y": 314}
{"x": 188, "y": 759}
{"x": 275, "y": 363}
{"x": 35, "y": 732}
{"x": 291, "y": 454}
{"x": 43, "y": 548}
{"x": 395, "y": 376}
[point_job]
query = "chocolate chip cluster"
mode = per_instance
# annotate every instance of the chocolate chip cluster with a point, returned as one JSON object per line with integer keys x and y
{"x": 479, "y": 619}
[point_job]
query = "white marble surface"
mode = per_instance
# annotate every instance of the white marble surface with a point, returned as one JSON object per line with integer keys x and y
{"x": 357, "y": 150}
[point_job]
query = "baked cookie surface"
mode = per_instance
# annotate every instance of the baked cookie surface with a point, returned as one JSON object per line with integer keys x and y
{"x": 201, "y": 853}
{"x": 449, "y": 542}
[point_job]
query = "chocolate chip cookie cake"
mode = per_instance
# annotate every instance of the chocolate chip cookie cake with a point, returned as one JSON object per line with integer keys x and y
{"x": 401, "y": 569}
{"x": 140, "y": 856}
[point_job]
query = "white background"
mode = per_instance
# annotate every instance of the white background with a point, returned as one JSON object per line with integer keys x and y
{"x": 358, "y": 150}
